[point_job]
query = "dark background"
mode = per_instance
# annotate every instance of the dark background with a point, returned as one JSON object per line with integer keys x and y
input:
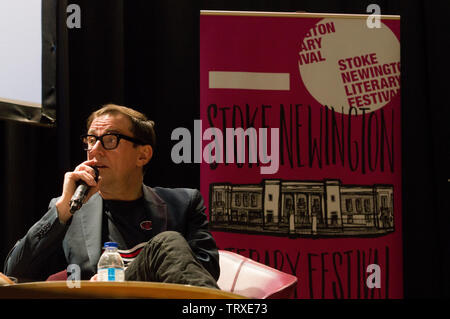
{"x": 145, "y": 55}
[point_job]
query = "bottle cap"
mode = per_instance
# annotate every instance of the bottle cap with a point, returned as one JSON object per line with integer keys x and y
{"x": 111, "y": 244}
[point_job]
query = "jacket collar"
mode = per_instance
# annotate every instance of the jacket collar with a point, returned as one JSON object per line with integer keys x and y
{"x": 158, "y": 209}
{"x": 91, "y": 219}
{"x": 91, "y": 223}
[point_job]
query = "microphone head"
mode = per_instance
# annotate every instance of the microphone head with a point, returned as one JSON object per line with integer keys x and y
{"x": 96, "y": 173}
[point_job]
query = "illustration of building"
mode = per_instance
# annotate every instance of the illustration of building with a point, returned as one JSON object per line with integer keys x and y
{"x": 302, "y": 208}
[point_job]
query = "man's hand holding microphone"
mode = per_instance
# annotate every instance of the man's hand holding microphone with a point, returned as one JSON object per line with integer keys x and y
{"x": 78, "y": 187}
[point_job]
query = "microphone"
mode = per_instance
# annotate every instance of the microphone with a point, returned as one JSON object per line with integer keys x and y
{"x": 80, "y": 193}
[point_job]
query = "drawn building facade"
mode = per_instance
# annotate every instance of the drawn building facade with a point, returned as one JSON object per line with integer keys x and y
{"x": 302, "y": 208}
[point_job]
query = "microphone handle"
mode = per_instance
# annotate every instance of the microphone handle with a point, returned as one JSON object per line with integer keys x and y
{"x": 80, "y": 193}
{"x": 77, "y": 199}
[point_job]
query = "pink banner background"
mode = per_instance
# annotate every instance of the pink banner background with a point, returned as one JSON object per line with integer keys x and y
{"x": 327, "y": 267}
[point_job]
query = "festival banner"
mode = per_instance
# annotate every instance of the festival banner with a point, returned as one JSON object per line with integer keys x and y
{"x": 299, "y": 145}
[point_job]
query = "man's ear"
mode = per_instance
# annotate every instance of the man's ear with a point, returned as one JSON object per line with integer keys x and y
{"x": 145, "y": 154}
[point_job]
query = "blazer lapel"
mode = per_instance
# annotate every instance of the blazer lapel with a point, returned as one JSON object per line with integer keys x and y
{"x": 158, "y": 210}
{"x": 91, "y": 214}
{"x": 91, "y": 221}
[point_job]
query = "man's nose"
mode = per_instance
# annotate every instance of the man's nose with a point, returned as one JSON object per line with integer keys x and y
{"x": 98, "y": 147}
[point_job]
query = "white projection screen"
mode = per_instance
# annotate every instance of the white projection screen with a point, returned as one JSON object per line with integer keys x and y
{"x": 28, "y": 61}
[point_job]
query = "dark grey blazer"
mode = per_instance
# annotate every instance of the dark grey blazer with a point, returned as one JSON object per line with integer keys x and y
{"x": 50, "y": 246}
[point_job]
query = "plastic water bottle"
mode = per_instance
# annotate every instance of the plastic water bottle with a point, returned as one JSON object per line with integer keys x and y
{"x": 110, "y": 266}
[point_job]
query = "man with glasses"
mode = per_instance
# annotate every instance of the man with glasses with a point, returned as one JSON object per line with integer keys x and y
{"x": 162, "y": 233}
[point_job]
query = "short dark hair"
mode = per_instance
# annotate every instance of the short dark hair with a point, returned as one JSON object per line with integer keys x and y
{"x": 141, "y": 127}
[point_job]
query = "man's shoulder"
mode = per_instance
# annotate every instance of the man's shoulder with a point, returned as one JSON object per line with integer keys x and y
{"x": 179, "y": 191}
{"x": 171, "y": 195}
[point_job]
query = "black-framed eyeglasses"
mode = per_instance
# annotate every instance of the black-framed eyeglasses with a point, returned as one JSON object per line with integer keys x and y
{"x": 109, "y": 141}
